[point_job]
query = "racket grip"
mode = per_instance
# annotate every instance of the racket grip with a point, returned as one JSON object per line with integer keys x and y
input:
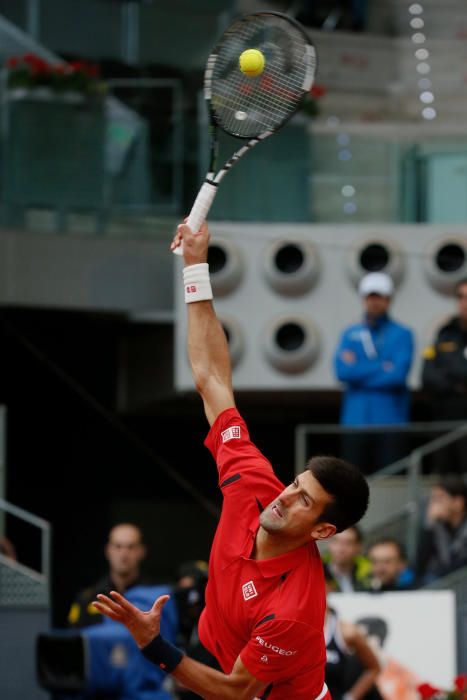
{"x": 199, "y": 210}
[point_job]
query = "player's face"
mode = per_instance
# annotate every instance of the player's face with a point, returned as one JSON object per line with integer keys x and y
{"x": 125, "y": 550}
{"x": 295, "y": 513}
{"x": 344, "y": 547}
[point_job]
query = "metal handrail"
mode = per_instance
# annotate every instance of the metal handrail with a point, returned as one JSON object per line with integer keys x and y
{"x": 457, "y": 429}
{"x": 411, "y": 463}
{"x": 22, "y": 569}
{"x": 46, "y": 535}
{"x": 458, "y": 576}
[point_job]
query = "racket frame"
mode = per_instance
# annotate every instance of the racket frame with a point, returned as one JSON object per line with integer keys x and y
{"x": 208, "y": 190}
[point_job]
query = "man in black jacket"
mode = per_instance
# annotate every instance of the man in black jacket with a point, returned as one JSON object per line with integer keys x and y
{"x": 124, "y": 552}
{"x": 444, "y": 379}
{"x": 442, "y": 544}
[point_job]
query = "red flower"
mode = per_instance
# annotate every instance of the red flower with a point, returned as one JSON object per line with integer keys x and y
{"x": 40, "y": 67}
{"x": 30, "y": 58}
{"x": 78, "y": 65}
{"x": 461, "y": 682}
{"x": 35, "y": 71}
{"x": 318, "y": 91}
{"x": 427, "y": 691}
{"x": 92, "y": 70}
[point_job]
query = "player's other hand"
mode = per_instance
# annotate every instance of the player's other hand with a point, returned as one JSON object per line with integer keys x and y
{"x": 195, "y": 245}
{"x": 143, "y": 626}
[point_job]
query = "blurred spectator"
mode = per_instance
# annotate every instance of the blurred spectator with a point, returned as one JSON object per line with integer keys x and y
{"x": 351, "y": 666}
{"x": 7, "y": 548}
{"x": 443, "y": 539}
{"x": 444, "y": 379}
{"x": 124, "y": 552}
{"x": 346, "y": 565}
{"x": 390, "y": 571}
{"x": 338, "y": 14}
{"x": 189, "y": 596}
{"x": 373, "y": 359}
{"x": 396, "y": 681}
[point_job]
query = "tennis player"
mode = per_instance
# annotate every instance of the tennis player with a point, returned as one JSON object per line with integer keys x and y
{"x": 265, "y": 599}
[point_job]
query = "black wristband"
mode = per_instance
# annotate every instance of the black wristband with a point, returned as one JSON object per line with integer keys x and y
{"x": 163, "y": 654}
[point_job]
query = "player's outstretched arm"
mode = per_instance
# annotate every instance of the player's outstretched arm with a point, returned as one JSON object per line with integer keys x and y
{"x": 203, "y": 680}
{"x": 207, "y": 345}
{"x": 215, "y": 685}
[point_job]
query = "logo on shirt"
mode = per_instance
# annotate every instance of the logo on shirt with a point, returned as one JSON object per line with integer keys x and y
{"x": 232, "y": 433}
{"x": 264, "y": 659}
{"x": 273, "y": 647}
{"x": 249, "y": 590}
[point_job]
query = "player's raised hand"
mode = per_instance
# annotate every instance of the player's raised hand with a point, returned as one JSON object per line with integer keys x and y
{"x": 195, "y": 245}
{"x": 143, "y": 626}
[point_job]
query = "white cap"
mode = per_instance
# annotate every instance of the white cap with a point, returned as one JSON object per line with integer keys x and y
{"x": 376, "y": 283}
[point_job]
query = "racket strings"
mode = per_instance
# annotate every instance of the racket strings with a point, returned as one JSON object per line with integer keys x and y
{"x": 272, "y": 92}
{"x": 246, "y": 106}
{"x": 275, "y": 89}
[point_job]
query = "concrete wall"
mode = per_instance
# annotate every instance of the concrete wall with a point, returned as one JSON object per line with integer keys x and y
{"x": 251, "y": 307}
{"x": 19, "y": 628}
{"x": 76, "y": 272}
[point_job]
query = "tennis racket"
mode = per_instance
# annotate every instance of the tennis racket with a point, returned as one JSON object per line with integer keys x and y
{"x": 252, "y": 107}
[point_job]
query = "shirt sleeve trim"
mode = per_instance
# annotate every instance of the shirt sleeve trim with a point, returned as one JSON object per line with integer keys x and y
{"x": 225, "y": 414}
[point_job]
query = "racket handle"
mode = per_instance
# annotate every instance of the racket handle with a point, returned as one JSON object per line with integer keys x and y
{"x": 199, "y": 210}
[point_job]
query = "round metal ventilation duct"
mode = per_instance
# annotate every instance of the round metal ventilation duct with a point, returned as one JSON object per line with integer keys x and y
{"x": 226, "y": 266}
{"x": 235, "y": 338}
{"x": 445, "y": 263}
{"x": 376, "y": 255}
{"x": 291, "y": 344}
{"x": 291, "y": 267}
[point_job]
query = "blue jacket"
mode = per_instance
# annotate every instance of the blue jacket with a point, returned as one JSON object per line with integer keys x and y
{"x": 115, "y": 665}
{"x": 376, "y": 391}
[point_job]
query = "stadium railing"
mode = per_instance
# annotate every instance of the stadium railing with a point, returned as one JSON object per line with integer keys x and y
{"x": 24, "y": 608}
{"x": 401, "y": 518}
{"x": 21, "y": 585}
{"x": 397, "y": 512}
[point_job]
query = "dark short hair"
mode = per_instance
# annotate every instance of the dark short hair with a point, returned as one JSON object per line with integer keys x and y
{"x": 347, "y": 486}
{"x": 375, "y": 626}
{"x": 389, "y": 540}
{"x": 453, "y": 484}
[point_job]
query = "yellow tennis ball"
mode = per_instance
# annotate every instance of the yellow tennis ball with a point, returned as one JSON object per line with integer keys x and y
{"x": 252, "y": 62}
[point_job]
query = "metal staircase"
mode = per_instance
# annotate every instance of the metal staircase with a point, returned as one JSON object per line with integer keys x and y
{"x": 24, "y": 612}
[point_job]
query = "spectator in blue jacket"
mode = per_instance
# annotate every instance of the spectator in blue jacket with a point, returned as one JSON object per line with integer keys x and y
{"x": 373, "y": 360}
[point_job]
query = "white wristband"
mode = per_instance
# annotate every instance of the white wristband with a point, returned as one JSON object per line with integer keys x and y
{"x": 197, "y": 283}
